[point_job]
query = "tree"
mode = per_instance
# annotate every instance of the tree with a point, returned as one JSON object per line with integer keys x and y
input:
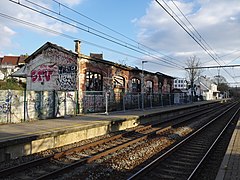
{"x": 192, "y": 64}
{"x": 4, "y": 71}
{"x": 221, "y": 83}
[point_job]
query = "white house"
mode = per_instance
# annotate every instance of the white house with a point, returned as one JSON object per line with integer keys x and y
{"x": 208, "y": 89}
{"x": 180, "y": 90}
{"x": 180, "y": 83}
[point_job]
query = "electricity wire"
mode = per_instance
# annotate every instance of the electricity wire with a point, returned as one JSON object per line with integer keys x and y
{"x": 68, "y": 36}
{"x": 200, "y": 36}
{"x": 81, "y": 14}
{"x": 191, "y": 35}
{"x": 96, "y": 33}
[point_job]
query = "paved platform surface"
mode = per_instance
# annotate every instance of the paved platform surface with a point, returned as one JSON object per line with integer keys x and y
{"x": 230, "y": 167}
{"x": 41, "y": 127}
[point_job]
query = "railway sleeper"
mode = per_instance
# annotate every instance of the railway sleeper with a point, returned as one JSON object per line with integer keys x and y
{"x": 184, "y": 159}
{"x": 182, "y": 163}
{"x": 194, "y": 148}
{"x": 165, "y": 176}
{"x": 179, "y": 166}
{"x": 186, "y": 155}
{"x": 191, "y": 152}
{"x": 163, "y": 170}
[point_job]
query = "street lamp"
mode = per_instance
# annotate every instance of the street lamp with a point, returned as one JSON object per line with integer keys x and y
{"x": 142, "y": 85}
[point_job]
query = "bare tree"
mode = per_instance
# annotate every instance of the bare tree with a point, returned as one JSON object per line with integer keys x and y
{"x": 123, "y": 61}
{"x": 221, "y": 82}
{"x": 192, "y": 70}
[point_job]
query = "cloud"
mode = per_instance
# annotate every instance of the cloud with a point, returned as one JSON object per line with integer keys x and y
{"x": 217, "y": 21}
{"x": 71, "y": 2}
{"x": 11, "y": 29}
{"x": 6, "y": 35}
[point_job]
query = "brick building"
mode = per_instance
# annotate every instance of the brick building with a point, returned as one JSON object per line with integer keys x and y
{"x": 92, "y": 77}
{"x": 97, "y": 74}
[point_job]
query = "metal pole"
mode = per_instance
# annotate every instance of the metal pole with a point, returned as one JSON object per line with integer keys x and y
{"x": 138, "y": 95}
{"x": 142, "y": 88}
{"x": 65, "y": 104}
{"x": 161, "y": 100}
{"x": 106, "y": 97}
{"x": 151, "y": 100}
{"x": 25, "y": 104}
{"x": 124, "y": 102}
{"x": 170, "y": 103}
{"x": 142, "y": 85}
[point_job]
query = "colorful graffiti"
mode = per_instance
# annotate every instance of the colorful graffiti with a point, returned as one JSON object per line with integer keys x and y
{"x": 5, "y": 105}
{"x": 38, "y": 104}
{"x": 17, "y": 106}
{"x": 53, "y": 70}
{"x": 93, "y": 103}
{"x": 67, "y": 77}
{"x": 43, "y": 73}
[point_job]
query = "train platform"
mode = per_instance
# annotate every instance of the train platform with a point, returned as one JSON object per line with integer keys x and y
{"x": 230, "y": 166}
{"x": 35, "y": 136}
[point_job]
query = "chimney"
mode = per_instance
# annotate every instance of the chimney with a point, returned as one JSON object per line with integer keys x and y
{"x": 97, "y": 56}
{"x": 77, "y": 46}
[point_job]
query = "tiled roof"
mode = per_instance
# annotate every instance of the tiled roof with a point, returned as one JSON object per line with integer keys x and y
{"x": 12, "y": 60}
{"x": 45, "y": 46}
{"x": 22, "y": 59}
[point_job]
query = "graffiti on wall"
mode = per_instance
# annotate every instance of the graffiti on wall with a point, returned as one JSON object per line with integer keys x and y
{"x": 93, "y": 103}
{"x": 43, "y": 73}
{"x": 50, "y": 104}
{"x": 18, "y": 106}
{"x": 67, "y": 77}
{"x": 58, "y": 56}
{"x": 53, "y": 70}
{"x": 5, "y": 105}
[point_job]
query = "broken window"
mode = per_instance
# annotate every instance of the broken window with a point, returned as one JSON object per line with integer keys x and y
{"x": 94, "y": 81}
{"x": 119, "y": 82}
{"x": 149, "y": 87}
{"x": 136, "y": 85}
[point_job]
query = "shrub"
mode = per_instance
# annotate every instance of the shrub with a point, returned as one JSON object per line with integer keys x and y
{"x": 12, "y": 84}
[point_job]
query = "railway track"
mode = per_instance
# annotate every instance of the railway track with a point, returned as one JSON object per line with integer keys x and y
{"x": 185, "y": 159}
{"x": 63, "y": 162}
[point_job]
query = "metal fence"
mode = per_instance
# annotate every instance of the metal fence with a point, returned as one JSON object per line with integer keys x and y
{"x": 99, "y": 101}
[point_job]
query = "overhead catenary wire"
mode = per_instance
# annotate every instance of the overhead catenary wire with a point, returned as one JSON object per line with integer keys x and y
{"x": 68, "y": 36}
{"x": 201, "y": 40}
{"x": 191, "y": 35}
{"x": 96, "y": 32}
{"x": 101, "y": 24}
{"x": 185, "y": 28}
{"x": 230, "y": 53}
{"x": 194, "y": 29}
{"x": 234, "y": 59}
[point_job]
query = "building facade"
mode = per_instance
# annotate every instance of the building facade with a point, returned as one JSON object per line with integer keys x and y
{"x": 207, "y": 88}
{"x": 180, "y": 83}
{"x": 93, "y": 79}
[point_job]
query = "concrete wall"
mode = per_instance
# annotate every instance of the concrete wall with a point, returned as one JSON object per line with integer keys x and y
{"x": 19, "y": 106}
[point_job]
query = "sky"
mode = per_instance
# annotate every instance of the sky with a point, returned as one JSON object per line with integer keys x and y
{"x": 131, "y": 31}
